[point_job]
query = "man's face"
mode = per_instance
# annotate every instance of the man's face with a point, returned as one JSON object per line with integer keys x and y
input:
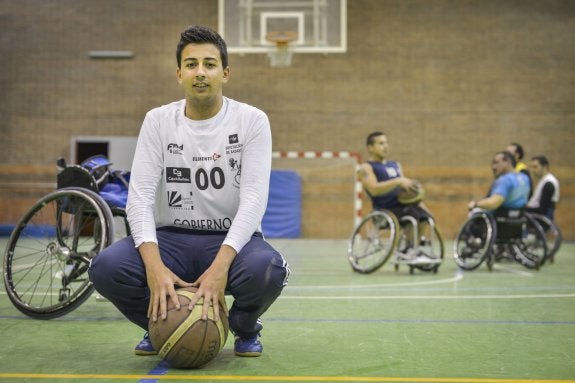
{"x": 513, "y": 150}
{"x": 500, "y": 166}
{"x": 201, "y": 73}
{"x": 379, "y": 149}
{"x": 536, "y": 169}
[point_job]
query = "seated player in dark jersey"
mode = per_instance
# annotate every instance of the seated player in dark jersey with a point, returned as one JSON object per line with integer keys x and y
{"x": 382, "y": 179}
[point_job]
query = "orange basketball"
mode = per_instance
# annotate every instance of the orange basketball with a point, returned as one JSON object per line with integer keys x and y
{"x": 183, "y": 339}
{"x": 408, "y": 197}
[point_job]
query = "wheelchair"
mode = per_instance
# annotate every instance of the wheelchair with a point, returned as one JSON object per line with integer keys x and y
{"x": 49, "y": 251}
{"x": 380, "y": 235}
{"x": 552, "y": 235}
{"x": 492, "y": 237}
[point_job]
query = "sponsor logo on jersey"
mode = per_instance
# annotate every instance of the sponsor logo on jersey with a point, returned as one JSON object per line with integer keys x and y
{"x": 213, "y": 157}
{"x": 178, "y": 175}
{"x": 221, "y": 224}
{"x": 175, "y": 148}
{"x": 236, "y": 167}
{"x": 233, "y": 139}
{"x": 236, "y": 148}
{"x": 234, "y": 164}
{"x": 391, "y": 172}
{"x": 177, "y": 201}
{"x": 174, "y": 199}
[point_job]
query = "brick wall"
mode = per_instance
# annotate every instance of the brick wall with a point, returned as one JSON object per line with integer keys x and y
{"x": 450, "y": 81}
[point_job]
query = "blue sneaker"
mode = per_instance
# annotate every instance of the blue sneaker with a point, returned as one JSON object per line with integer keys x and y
{"x": 145, "y": 347}
{"x": 248, "y": 347}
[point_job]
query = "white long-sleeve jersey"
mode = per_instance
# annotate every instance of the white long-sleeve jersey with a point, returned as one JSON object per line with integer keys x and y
{"x": 204, "y": 175}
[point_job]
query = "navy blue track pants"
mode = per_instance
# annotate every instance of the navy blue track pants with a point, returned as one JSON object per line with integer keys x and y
{"x": 255, "y": 279}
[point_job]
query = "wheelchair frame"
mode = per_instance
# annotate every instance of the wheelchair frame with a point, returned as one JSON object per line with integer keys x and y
{"x": 552, "y": 234}
{"x": 380, "y": 235}
{"x": 486, "y": 238}
{"x": 49, "y": 251}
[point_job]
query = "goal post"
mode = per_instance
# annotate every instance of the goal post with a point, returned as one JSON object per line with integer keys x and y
{"x": 331, "y": 197}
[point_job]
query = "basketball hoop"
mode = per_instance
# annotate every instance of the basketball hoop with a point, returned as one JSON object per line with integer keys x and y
{"x": 281, "y": 56}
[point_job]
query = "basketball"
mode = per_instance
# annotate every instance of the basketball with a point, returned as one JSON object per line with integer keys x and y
{"x": 409, "y": 197}
{"x": 183, "y": 339}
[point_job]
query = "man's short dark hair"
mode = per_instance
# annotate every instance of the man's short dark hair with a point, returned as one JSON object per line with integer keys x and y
{"x": 507, "y": 156}
{"x": 371, "y": 137}
{"x": 518, "y": 150}
{"x": 197, "y": 34}
{"x": 543, "y": 161}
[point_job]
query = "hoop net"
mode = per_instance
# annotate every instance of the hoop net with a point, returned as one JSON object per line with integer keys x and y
{"x": 281, "y": 56}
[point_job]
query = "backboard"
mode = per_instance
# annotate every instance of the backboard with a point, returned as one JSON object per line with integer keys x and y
{"x": 320, "y": 25}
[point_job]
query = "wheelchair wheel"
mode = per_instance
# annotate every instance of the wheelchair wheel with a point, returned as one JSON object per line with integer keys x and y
{"x": 531, "y": 249}
{"x": 121, "y": 225}
{"x": 474, "y": 241}
{"x": 373, "y": 241}
{"x": 49, "y": 251}
{"x": 552, "y": 235}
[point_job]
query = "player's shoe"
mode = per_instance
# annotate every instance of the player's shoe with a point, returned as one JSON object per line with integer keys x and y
{"x": 421, "y": 259}
{"x": 407, "y": 257}
{"x": 145, "y": 347}
{"x": 248, "y": 347}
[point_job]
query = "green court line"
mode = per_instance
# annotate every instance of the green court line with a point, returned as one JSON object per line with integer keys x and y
{"x": 277, "y": 378}
{"x": 426, "y": 297}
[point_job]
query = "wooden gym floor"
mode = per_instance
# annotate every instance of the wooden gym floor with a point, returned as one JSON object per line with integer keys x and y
{"x": 333, "y": 325}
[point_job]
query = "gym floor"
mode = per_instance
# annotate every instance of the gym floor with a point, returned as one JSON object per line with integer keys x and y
{"x": 333, "y": 325}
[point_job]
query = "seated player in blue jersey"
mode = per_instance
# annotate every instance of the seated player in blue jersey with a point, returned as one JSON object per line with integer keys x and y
{"x": 510, "y": 189}
{"x": 382, "y": 179}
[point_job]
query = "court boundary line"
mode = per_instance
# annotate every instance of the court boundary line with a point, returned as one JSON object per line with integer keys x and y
{"x": 426, "y": 297}
{"x": 425, "y": 321}
{"x": 456, "y": 278}
{"x": 276, "y": 378}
